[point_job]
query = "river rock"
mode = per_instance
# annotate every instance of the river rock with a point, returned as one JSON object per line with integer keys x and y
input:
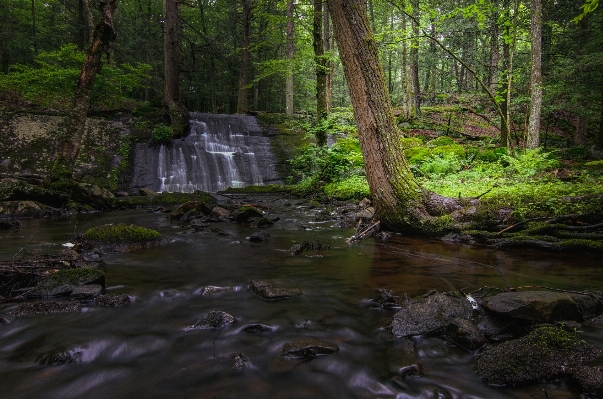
{"x": 147, "y": 192}
{"x": 63, "y": 282}
{"x": 46, "y": 307}
{"x": 220, "y": 213}
{"x": 545, "y": 353}
{"x": 590, "y": 379}
{"x": 429, "y": 315}
{"x": 112, "y": 300}
{"x": 464, "y": 334}
{"x": 8, "y": 224}
{"x": 239, "y": 361}
{"x": 86, "y": 292}
{"x": 212, "y": 289}
{"x": 262, "y": 222}
{"x": 245, "y": 213}
{"x": 21, "y": 209}
{"x": 60, "y": 357}
{"x": 259, "y": 236}
{"x": 270, "y": 293}
{"x": 96, "y": 197}
{"x": 307, "y": 348}
{"x": 365, "y": 214}
{"x": 300, "y": 247}
{"x": 534, "y": 306}
{"x": 220, "y": 232}
{"x": 403, "y": 359}
{"x": 588, "y": 305}
{"x": 213, "y": 319}
{"x": 191, "y": 208}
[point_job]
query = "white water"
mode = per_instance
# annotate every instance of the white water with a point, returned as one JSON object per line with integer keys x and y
{"x": 217, "y": 154}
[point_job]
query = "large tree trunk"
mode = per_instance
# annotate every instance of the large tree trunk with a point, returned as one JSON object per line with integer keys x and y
{"x": 396, "y": 194}
{"x": 243, "y": 103}
{"x": 321, "y": 71}
{"x": 102, "y": 37}
{"x": 327, "y": 46}
{"x": 504, "y": 105}
{"x": 171, "y": 49}
{"x": 290, "y": 49}
{"x": 414, "y": 57}
{"x": 535, "y": 77}
{"x": 407, "y": 95}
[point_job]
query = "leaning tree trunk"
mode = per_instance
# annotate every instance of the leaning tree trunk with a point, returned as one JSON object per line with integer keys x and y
{"x": 399, "y": 200}
{"x": 75, "y": 123}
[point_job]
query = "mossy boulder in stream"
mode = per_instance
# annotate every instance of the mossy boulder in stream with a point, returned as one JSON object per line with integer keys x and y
{"x": 121, "y": 236}
{"x": 545, "y": 353}
{"x": 64, "y": 281}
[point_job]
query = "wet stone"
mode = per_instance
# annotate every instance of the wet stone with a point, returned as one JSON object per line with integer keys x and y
{"x": 259, "y": 236}
{"x": 590, "y": 379}
{"x": 307, "y": 348}
{"x": 256, "y": 328}
{"x": 465, "y": 335}
{"x": 112, "y": 300}
{"x": 86, "y": 292}
{"x": 239, "y": 361}
{"x": 270, "y": 293}
{"x": 300, "y": 247}
{"x": 386, "y": 299}
{"x": 403, "y": 359}
{"x": 58, "y": 358}
{"x": 213, "y": 319}
{"x": 46, "y": 307}
{"x": 534, "y": 306}
{"x": 212, "y": 289}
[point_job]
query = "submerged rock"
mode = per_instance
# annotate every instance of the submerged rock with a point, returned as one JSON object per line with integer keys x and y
{"x": 545, "y": 353}
{"x": 46, "y": 307}
{"x": 259, "y": 236}
{"x": 464, "y": 334}
{"x": 534, "y": 306}
{"x": 429, "y": 315}
{"x": 60, "y": 357}
{"x": 300, "y": 247}
{"x": 246, "y": 213}
{"x": 308, "y": 348}
{"x": 270, "y": 293}
{"x": 63, "y": 282}
{"x": 112, "y": 300}
{"x": 213, "y": 319}
{"x": 191, "y": 208}
{"x": 86, "y": 292}
{"x": 403, "y": 359}
{"x": 120, "y": 236}
{"x": 239, "y": 361}
{"x": 212, "y": 289}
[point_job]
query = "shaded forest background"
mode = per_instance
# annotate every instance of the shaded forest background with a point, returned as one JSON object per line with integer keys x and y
{"x": 233, "y": 49}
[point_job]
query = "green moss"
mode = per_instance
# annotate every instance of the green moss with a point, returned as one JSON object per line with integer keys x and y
{"x": 77, "y": 276}
{"x": 411, "y": 142}
{"x": 355, "y": 187}
{"x": 121, "y": 233}
{"x": 451, "y": 149}
{"x": 553, "y": 338}
{"x": 269, "y": 188}
{"x": 166, "y": 199}
{"x": 441, "y": 141}
{"x": 417, "y": 155}
{"x": 578, "y": 244}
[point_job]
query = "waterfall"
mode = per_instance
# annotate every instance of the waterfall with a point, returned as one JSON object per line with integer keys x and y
{"x": 220, "y": 151}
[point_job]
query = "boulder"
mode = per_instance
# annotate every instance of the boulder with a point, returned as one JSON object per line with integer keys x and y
{"x": 191, "y": 207}
{"x": 18, "y": 190}
{"x": 262, "y": 222}
{"x": 60, "y": 357}
{"x": 307, "y": 348}
{"x": 590, "y": 379}
{"x": 270, "y": 293}
{"x": 46, "y": 307}
{"x": 213, "y": 319}
{"x": 8, "y": 224}
{"x": 63, "y": 282}
{"x": 21, "y": 209}
{"x": 464, "y": 334}
{"x": 429, "y": 315}
{"x": 239, "y": 361}
{"x": 96, "y": 197}
{"x": 259, "y": 236}
{"x": 86, "y": 292}
{"x": 365, "y": 214}
{"x": 147, "y": 192}
{"x": 212, "y": 289}
{"x": 545, "y": 353}
{"x": 300, "y": 247}
{"x": 246, "y": 213}
{"x": 534, "y": 306}
{"x": 220, "y": 213}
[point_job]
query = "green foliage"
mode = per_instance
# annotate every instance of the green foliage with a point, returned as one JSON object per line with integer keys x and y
{"x": 121, "y": 233}
{"x": 53, "y": 79}
{"x": 162, "y": 134}
{"x": 449, "y": 149}
{"x": 553, "y": 338}
{"x": 530, "y": 162}
{"x": 417, "y": 155}
{"x": 441, "y": 141}
{"x": 411, "y": 142}
{"x": 355, "y": 187}
{"x": 442, "y": 164}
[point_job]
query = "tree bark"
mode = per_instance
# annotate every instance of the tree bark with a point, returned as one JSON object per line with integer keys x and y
{"x": 327, "y": 46}
{"x": 535, "y": 76}
{"x": 243, "y": 103}
{"x": 102, "y": 37}
{"x": 407, "y": 95}
{"x": 395, "y": 192}
{"x": 414, "y": 57}
{"x": 171, "y": 49}
{"x": 321, "y": 71}
{"x": 504, "y": 105}
{"x": 290, "y": 53}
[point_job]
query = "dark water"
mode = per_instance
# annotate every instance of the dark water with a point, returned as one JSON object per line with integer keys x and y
{"x": 142, "y": 350}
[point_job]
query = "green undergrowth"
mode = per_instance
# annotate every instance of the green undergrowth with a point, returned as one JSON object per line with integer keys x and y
{"x": 266, "y": 189}
{"x": 165, "y": 198}
{"x": 121, "y": 233}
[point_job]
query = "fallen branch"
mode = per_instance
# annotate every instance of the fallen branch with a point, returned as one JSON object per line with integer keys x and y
{"x": 360, "y": 236}
{"x": 521, "y": 224}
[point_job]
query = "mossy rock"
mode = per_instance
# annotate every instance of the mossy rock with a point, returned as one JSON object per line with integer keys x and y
{"x": 191, "y": 208}
{"x": 245, "y": 213}
{"x": 63, "y": 281}
{"x": 17, "y": 190}
{"x": 451, "y": 149}
{"x": 121, "y": 234}
{"x": 487, "y": 156}
{"x": 266, "y": 189}
{"x": 417, "y": 155}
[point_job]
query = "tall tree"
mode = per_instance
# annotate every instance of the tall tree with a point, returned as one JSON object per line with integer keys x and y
{"x": 243, "y": 104}
{"x": 533, "y": 140}
{"x": 171, "y": 49}
{"x": 321, "y": 70}
{"x": 414, "y": 57}
{"x": 100, "y": 41}
{"x": 290, "y": 53}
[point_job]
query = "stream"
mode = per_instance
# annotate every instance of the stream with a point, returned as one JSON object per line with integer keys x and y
{"x": 144, "y": 350}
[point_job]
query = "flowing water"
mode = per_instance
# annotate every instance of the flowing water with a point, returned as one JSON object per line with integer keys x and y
{"x": 144, "y": 350}
{"x": 220, "y": 151}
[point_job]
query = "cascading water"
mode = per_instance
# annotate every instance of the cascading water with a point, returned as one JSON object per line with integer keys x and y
{"x": 221, "y": 151}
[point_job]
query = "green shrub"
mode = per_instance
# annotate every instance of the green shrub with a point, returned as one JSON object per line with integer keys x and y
{"x": 354, "y": 187}
{"x": 530, "y": 162}
{"x": 411, "y": 142}
{"x": 162, "y": 134}
{"x": 440, "y": 141}
{"x": 416, "y": 155}
{"x": 441, "y": 165}
{"x": 449, "y": 149}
